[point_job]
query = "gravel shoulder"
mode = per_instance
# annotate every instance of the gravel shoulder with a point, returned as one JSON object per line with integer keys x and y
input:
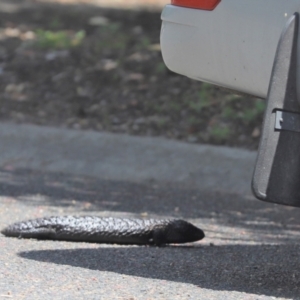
{"x": 87, "y": 67}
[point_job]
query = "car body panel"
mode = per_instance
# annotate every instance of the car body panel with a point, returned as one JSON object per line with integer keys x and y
{"x": 232, "y": 46}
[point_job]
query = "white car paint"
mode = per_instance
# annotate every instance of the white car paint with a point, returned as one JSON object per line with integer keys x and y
{"x": 232, "y": 46}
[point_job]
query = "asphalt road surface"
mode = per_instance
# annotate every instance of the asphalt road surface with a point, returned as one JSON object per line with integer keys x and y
{"x": 251, "y": 249}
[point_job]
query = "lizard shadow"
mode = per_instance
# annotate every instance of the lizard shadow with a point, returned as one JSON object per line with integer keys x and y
{"x": 256, "y": 269}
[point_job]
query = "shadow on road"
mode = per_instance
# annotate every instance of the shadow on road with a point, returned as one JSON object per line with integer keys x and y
{"x": 262, "y": 270}
{"x": 89, "y": 195}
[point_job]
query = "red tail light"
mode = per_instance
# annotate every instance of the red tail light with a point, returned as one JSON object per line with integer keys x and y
{"x": 199, "y": 4}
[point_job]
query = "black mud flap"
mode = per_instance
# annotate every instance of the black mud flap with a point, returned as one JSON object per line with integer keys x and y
{"x": 277, "y": 172}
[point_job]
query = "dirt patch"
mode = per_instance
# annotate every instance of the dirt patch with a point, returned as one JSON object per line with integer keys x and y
{"x": 86, "y": 67}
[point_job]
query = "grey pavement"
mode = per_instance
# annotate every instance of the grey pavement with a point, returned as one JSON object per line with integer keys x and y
{"x": 122, "y": 157}
{"x": 251, "y": 249}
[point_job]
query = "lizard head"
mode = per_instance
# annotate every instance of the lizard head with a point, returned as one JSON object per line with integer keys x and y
{"x": 178, "y": 231}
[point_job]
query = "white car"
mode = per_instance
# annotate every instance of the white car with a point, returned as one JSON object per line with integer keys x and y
{"x": 250, "y": 46}
{"x": 232, "y": 45}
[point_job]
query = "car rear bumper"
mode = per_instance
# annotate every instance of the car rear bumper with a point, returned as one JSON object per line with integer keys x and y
{"x": 232, "y": 46}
